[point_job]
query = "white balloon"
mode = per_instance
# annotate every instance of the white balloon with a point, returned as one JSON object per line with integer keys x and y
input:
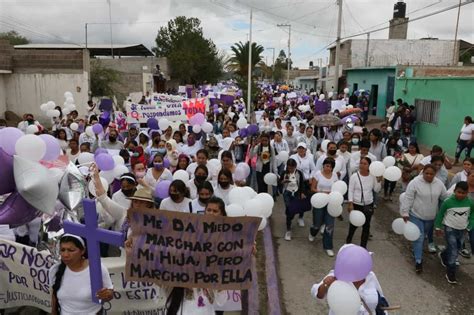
{"x": 66, "y": 111}
{"x": 389, "y": 129}
{"x": 266, "y": 203}
{"x": 104, "y": 182}
{"x": 389, "y": 161}
{"x": 411, "y": 232}
{"x": 319, "y": 200}
{"x": 31, "y": 129}
{"x": 108, "y": 175}
{"x": 334, "y": 210}
{"x": 67, "y": 94}
{"x": 249, "y": 192}
{"x": 30, "y": 147}
{"x": 346, "y": 90}
{"x": 324, "y": 145}
{"x": 241, "y": 123}
{"x": 234, "y": 210}
{"x": 85, "y": 158}
{"x": 74, "y": 126}
{"x": 339, "y": 186}
{"x": 322, "y": 97}
{"x": 398, "y": 226}
{"x": 263, "y": 224}
{"x": 220, "y": 110}
{"x": 55, "y": 113}
{"x": 270, "y": 179}
{"x": 343, "y": 298}
{"x": 119, "y": 170}
{"x": 31, "y": 179}
{"x": 282, "y": 157}
{"x": 330, "y": 94}
{"x": 338, "y": 166}
{"x": 196, "y": 129}
{"x": 163, "y": 124}
{"x": 118, "y": 160}
{"x": 70, "y": 100}
{"x": 44, "y": 107}
{"x": 207, "y": 127}
{"x": 357, "y": 218}
{"x": 236, "y": 196}
{"x": 90, "y": 132}
{"x": 336, "y": 198}
{"x": 181, "y": 175}
{"x": 51, "y": 105}
{"x": 50, "y": 113}
{"x": 376, "y": 168}
{"x": 349, "y": 106}
{"x": 71, "y": 107}
{"x": 252, "y": 208}
{"x": 392, "y": 173}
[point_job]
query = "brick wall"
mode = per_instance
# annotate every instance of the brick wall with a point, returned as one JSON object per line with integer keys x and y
{"x": 47, "y": 59}
{"x": 6, "y": 53}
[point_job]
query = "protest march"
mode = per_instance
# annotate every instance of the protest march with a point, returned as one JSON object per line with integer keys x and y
{"x": 178, "y": 180}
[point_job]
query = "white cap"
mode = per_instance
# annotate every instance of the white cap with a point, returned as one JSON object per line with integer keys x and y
{"x": 302, "y": 144}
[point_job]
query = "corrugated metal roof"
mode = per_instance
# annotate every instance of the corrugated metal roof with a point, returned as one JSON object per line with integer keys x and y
{"x": 96, "y": 49}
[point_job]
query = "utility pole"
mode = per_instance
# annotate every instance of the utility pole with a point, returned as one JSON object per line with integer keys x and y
{"x": 249, "y": 81}
{"x": 338, "y": 40}
{"x": 456, "y": 58}
{"x": 110, "y": 23}
{"x": 289, "y": 51}
{"x": 367, "y": 50}
{"x": 273, "y": 64}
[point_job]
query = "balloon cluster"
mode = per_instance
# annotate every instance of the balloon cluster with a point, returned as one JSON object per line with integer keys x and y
{"x": 387, "y": 169}
{"x": 244, "y": 201}
{"x": 408, "y": 229}
{"x": 50, "y": 110}
{"x": 333, "y": 200}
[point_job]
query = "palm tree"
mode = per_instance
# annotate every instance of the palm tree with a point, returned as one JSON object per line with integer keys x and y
{"x": 239, "y": 62}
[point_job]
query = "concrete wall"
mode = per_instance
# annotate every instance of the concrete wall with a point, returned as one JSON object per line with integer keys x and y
{"x": 402, "y": 52}
{"x": 455, "y": 96}
{"x": 3, "y": 96}
{"x": 398, "y": 28}
{"x": 365, "y": 78}
{"x": 25, "y": 92}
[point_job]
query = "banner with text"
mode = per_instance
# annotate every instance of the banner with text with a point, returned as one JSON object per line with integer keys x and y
{"x": 171, "y": 107}
{"x": 193, "y": 251}
{"x": 24, "y": 281}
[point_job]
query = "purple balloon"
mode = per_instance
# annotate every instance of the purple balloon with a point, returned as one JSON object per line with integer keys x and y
{"x": 252, "y": 130}
{"x": 97, "y": 128}
{"x": 197, "y": 119}
{"x": 105, "y": 162}
{"x": 166, "y": 163}
{"x": 8, "y": 138}
{"x": 53, "y": 150}
{"x": 243, "y": 132}
{"x": 104, "y": 119}
{"x": 353, "y": 263}
{"x": 152, "y": 123}
{"x": 162, "y": 189}
{"x": 216, "y": 111}
{"x": 7, "y": 184}
{"x": 215, "y": 106}
{"x": 16, "y": 211}
{"x": 99, "y": 151}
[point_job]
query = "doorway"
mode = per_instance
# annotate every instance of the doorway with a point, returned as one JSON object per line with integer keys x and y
{"x": 374, "y": 94}
{"x": 355, "y": 87}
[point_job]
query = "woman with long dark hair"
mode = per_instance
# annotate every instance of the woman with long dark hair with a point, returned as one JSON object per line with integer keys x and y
{"x": 178, "y": 199}
{"x": 266, "y": 161}
{"x": 71, "y": 282}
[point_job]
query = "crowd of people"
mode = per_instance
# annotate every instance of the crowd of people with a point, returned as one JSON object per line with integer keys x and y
{"x": 308, "y": 159}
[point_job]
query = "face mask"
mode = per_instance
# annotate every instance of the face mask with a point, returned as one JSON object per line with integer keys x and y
{"x": 224, "y": 185}
{"x": 203, "y": 200}
{"x": 158, "y": 166}
{"x": 332, "y": 152}
{"x": 191, "y": 142}
{"x": 200, "y": 178}
{"x": 161, "y": 151}
{"x": 112, "y": 138}
{"x": 140, "y": 174}
{"x": 355, "y": 141}
{"x": 174, "y": 197}
{"x": 30, "y": 120}
{"x": 128, "y": 192}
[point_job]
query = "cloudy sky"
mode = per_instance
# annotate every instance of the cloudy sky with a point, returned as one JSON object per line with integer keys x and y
{"x": 227, "y": 21}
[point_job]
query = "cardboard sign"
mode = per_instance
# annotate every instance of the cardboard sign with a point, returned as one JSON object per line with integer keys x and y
{"x": 24, "y": 281}
{"x": 173, "y": 108}
{"x": 177, "y": 249}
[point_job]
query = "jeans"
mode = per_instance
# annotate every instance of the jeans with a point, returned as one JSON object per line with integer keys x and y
{"x": 288, "y": 197}
{"x": 426, "y": 227}
{"x": 320, "y": 217}
{"x": 365, "y": 228}
{"x": 262, "y": 187}
{"x": 450, "y": 254}
{"x": 463, "y": 144}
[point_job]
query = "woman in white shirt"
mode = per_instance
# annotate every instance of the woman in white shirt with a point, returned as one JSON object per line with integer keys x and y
{"x": 62, "y": 139}
{"x": 321, "y": 181}
{"x": 224, "y": 185}
{"x": 465, "y": 139}
{"x": 71, "y": 283}
{"x": 158, "y": 172}
{"x": 377, "y": 147}
{"x": 201, "y": 173}
{"x": 410, "y": 161}
{"x": 178, "y": 199}
{"x": 361, "y": 197}
{"x": 204, "y": 193}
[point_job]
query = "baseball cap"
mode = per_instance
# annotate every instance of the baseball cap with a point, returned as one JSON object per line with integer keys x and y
{"x": 302, "y": 145}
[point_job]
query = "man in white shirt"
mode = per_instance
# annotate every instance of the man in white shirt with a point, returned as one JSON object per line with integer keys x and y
{"x": 364, "y": 147}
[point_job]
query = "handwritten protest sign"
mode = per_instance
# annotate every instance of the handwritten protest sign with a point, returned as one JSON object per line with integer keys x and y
{"x": 190, "y": 250}
{"x": 339, "y": 105}
{"x": 171, "y": 107}
{"x": 24, "y": 281}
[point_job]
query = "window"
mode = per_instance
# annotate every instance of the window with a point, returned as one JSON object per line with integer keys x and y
{"x": 427, "y": 111}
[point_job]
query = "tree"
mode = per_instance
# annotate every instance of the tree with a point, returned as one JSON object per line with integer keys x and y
{"x": 14, "y": 38}
{"x": 103, "y": 80}
{"x": 192, "y": 58}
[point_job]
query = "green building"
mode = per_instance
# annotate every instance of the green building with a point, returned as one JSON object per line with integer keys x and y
{"x": 441, "y": 104}
{"x": 379, "y": 81}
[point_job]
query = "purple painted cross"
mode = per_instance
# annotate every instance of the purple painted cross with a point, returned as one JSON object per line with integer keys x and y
{"x": 94, "y": 236}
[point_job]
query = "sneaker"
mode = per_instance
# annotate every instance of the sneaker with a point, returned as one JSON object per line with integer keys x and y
{"x": 330, "y": 252}
{"x": 419, "y": 267}
{"x": 301, "y": 222}
{"x": 311, "y": 237}
{"x": 441, "y": 259}
{"x": 432, "y": 248}
{"x": 288, "y": 236}
{"x": 451, "y": 279}
{"x": 321, "y": 229}
{"x": 465, "y": 253}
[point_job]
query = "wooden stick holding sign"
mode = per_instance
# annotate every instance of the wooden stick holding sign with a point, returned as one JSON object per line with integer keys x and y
{"x": 178, "y": 249}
